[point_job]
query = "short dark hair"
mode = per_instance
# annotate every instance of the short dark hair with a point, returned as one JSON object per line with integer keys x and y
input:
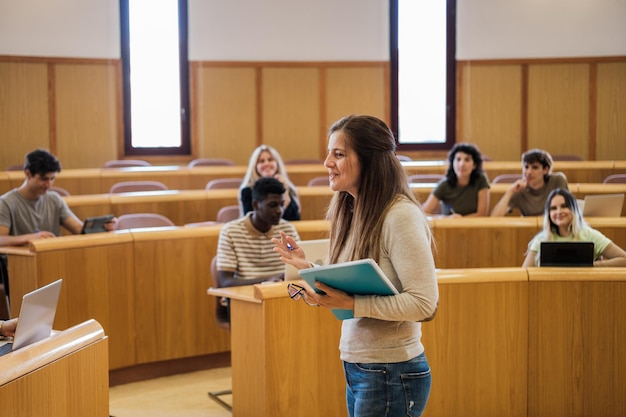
{"x": 537, "y": 155}
{"x": 266, "y": 185}
{"x": 41, "y": 162}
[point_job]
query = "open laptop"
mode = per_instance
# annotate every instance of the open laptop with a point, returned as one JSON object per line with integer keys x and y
{"x": 36, "y": 317}
{"x": 602, "y": 205}
{"x": 316, "y": 251}
{"x": 566, "y": 254}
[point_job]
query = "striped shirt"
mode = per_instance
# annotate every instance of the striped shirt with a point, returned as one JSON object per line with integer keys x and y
{"x": 243, "y": 249}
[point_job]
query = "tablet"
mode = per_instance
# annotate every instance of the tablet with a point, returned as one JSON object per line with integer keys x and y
{"x": 96, "y": 224}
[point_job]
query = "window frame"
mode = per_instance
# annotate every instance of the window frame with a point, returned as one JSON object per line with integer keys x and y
{"x": 185, "y": 114}
{"x": 450, "y": 138}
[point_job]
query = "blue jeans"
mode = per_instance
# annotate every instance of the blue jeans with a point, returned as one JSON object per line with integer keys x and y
{"x": 387, "y": 389}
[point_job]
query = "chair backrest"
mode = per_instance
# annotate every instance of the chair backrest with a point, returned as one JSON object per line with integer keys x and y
{"x": 566, "y": 157}
{"x": 205, "y": 162}
{"x": 304, "y": 161}
{"x": 124, "y": 163}
{"x": 134, "y": 186}
{"x": 60, "y": 190}
{"x": 506, "y": 178}
{"x": 141, "y": 220}
{"x": 425, "y": 178}
{"x": 202, "y": 224}
{"x": 615, "y": 178}
{"x": 221, "y": 183}
{"x": 16, "y": 167}
{"x": 323, "y": 180}
{"x": 222, "y": 315}
{"x": 228, "y": 213}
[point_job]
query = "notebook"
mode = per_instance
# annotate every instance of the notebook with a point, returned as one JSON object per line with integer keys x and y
{"x": 566, "y": 254}
{"x": 602, "y": 205}
{"x": 316, "y": 251}
{"x": 362, "y": 277}
{"x": 36, "y": 317}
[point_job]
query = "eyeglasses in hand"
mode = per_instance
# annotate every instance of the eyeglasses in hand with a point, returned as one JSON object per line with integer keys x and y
{"x": 296, "y": 292}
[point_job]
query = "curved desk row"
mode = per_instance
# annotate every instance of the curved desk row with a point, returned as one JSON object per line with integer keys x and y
{"x": 146, "y": 286}
{"x": 506, "y": 342}
{"x": 100, "y": 180}
{"x": 191, "y": 206}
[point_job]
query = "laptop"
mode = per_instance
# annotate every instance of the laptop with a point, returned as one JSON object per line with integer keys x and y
{"x": 602, "y": 205}
{"x": 566, "y": 254}
{"x": 316, "y": 251}
{"x": 36, "y": 317}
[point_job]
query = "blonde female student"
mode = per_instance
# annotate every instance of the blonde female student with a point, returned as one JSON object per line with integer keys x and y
{"x": 373, "y": 214}
{"x": 265, "y": 161}
{"x": 563, "y": 222}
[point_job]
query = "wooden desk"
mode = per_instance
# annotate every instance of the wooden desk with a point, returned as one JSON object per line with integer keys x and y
{"x": 100, "y": 180}
{"x": 505, "y": 342}
{"x": 144, "y": 285}
{"x": 576, "y": 353}
{"x": 284, "y": 354}
{"x": 64, "y": 375}
{"x": 476, "y": 345}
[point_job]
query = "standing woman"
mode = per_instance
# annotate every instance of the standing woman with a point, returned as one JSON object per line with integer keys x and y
{"x": 373, "y": 214}
{"x": 265, "y": 161}
{"x": 563, "y": 222}
{"x": 465, "y": 189}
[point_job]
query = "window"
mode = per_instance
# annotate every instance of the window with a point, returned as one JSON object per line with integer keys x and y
{"x": 155, "y": 77}
{"x": 423, "y": 71}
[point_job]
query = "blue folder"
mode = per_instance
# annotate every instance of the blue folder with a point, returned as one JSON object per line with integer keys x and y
{"x": 362, "y": 277}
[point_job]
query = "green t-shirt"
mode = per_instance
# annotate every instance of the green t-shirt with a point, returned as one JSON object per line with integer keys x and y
{"x": 463, "y": 200}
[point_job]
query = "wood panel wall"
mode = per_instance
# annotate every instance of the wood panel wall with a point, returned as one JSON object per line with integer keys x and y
{"x": 565, "y": 106}
{"x": 74, "y": 107}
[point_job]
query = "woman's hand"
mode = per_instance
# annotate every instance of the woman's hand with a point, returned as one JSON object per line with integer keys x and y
{"x": 331, "y": 298}
{"x": 290, "y": 252}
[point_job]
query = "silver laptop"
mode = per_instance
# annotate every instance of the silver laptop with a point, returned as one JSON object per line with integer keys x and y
{"x": 602, "y": 205}
{"x": 36, "y": 317}
{"x": 316, "y": 251}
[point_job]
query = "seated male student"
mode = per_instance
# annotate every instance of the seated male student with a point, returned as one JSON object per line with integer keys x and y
{"x": 529, "y": 194}
{"x": 245, "y": 251}
{"x": 32, "y": 211}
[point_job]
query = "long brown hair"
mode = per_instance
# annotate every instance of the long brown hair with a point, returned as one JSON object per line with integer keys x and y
{"x": 382, "y": 182}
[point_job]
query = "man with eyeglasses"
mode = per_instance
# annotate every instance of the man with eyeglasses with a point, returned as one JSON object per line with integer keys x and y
{"x": 245, "y": 251}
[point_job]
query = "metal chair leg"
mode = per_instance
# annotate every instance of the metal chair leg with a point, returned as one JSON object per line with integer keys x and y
{"x": 215, "y": 396}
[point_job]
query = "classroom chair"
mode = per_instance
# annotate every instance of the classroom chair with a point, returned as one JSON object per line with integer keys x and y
{"x": 323, "y": 180}
{"x": 16, "y": 167}
{"x": 304, "y": 161}
{"x": 135, "y": 186}
{"x": 566, "y": 157}
{"x": 141, "y": 220}
{"x": 222, "y": 183}
{"x": 205, "y": 162}
{"x": 125, "y": 163}
{"x": 615, "y": 179}
{"x": 506, "y": 178}
{"x": 227, "y": 213}
{"x": 222, "y": 318}
{"x": 425, "y": 178}
{"x": 60, "y": 190}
